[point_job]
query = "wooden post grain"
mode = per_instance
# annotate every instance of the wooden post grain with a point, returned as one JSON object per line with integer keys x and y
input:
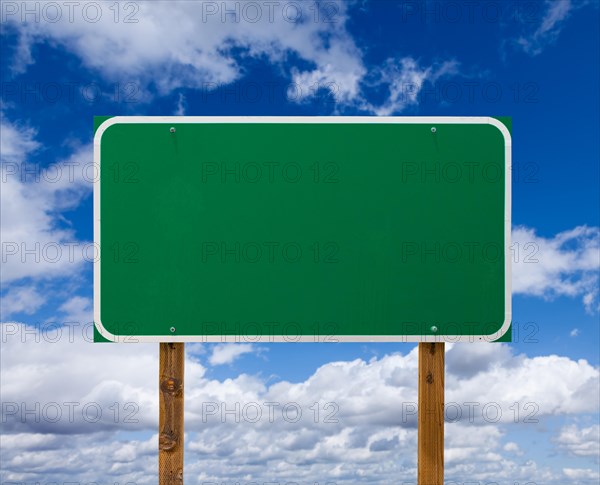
{"x": 170, "y": 418}
{"x": 431, "y": 414}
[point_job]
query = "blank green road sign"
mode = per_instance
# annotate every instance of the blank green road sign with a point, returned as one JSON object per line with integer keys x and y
{"x": 312, "y": 229}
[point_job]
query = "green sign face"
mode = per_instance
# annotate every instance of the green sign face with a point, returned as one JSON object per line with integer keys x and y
{"x": 357, "y": 229}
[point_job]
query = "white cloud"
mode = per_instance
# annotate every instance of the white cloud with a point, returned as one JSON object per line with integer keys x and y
{"x": 574, "y": 332}
{"x": 77, "y": 309}
{"x": 182, "y": 44}
{"x": 548, "y": 30}
{"x": 25, "y": 299}
{"x": 462, "y": 443}
{"x": 62, "y": 367}
{"x": 556, "y": 12}
{"x": 581, "y": 474}
{"x": 466, "y": 361}
{"x": 548, "y": 385}
{"x": 189, "y": 44}
{"x": 41, "y": 244}
{"x": 83, "y": 459}
{"x": 362, "y": 428}
{"x": 513, "y": 447}
{"x": 580, "y": 441}
{"x": 567, "y": 264}
{"x": 16, "y": 141}
{"x": 227, "y": 353}
{"x": 181, "y": 105}
{"x": 404, "y": 78}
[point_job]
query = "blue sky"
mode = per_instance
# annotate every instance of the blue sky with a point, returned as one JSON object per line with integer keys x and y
{"x": 535, "y": 61}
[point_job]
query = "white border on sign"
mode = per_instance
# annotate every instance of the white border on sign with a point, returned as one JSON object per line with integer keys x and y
{"x": 309, "y": 119}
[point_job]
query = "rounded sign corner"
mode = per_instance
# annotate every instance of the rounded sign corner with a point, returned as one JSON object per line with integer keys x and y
{"x": 105, "y": 125}
{"x": 500, "y": 335}
{"x": 503, "y": 129}
{"x": 105, "y": 334}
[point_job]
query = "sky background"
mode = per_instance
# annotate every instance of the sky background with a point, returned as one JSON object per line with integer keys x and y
{"x": 83, "y": 412}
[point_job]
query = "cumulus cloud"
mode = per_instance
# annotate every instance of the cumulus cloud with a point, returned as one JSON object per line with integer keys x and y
{"x": 567, "y": 264}
{"x": 20, "y": 299}
{"x": 582, "y": 475}
{"x": 349, "y": 421}
{"x": 466, "y": 361}
{"x": 513, "y": 447}
{"x": 70, "y": 385}
{"x": 580, "y": 441}
{"x": 16, "y": 141}
{"x": 227, "y": 353}
{"x": 548, "y": 385}
{"x": 41, "y": 245}
{"x": 204, "y": 45}
{"x": 52, "y": 457}
{"x": 77, "y": 310}
{"x": 195, "y": 44}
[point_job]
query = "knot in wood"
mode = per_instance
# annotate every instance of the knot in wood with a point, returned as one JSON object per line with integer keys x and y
{"x": 171, "y": 386}
{"x": 167, "y": 441}
{"x": 175, "y": 476}
{"x": 429, "y": 378}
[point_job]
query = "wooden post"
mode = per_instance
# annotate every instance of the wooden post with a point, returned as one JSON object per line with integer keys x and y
{"x": 170, "y": 417}
{"x": 431, "y": 414}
